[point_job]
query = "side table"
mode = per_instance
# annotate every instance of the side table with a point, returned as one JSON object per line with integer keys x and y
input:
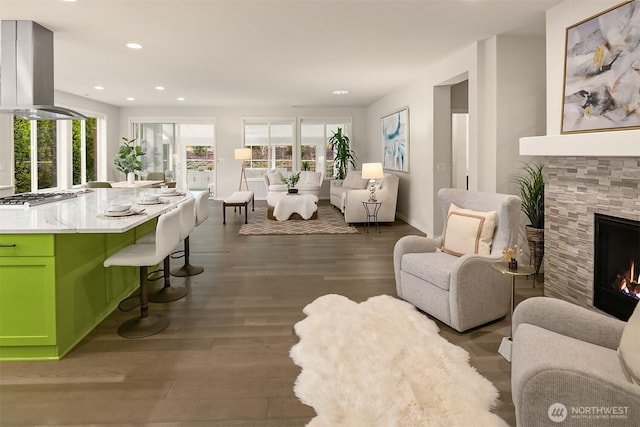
{"x": 371, "y": 209}
{"x": 524, "y": 270}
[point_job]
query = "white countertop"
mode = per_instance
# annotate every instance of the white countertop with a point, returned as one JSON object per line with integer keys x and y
{"x": 85, "y": 213}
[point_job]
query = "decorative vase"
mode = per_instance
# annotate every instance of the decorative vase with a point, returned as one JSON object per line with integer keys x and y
{"x": 131, "y": 178}
{"x": 292, "y": 190}
{"x": 513, "y": 264}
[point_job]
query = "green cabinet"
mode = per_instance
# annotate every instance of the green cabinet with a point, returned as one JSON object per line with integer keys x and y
{"x": 54, "y": 289}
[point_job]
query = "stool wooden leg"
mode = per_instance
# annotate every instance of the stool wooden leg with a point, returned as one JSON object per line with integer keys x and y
{"x": 147, "y": 324}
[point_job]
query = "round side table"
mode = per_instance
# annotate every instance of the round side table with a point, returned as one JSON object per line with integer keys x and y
{"x": 371, "y": 209}
{"x": 522, "y": 270}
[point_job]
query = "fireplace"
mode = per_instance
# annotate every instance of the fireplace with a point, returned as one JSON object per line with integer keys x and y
{"x": 616, "y": 265}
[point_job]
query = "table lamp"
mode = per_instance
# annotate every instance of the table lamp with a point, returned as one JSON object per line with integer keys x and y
{"x": 243, "y": 154}
{"x": 372, "y": 171}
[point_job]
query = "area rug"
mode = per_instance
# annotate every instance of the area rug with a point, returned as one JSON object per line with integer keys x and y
{"x": 329, "y": 221}
{"x": 383, "y": 363}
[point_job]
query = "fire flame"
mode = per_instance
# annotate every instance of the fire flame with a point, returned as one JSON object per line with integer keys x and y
{"x": 631, "y": 287}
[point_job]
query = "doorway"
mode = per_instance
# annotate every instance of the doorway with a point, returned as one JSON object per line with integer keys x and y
{"x": 451, "y": 147}
{"x": 184, "y": 151}
{"x": 460, "y": 135}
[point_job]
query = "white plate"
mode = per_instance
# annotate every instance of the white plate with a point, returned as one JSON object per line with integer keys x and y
{"x": 123, "y": 213}
{"x": 169, "y": 193}
{"x": 119, "y": 208}
{"x": 150, "y": 202}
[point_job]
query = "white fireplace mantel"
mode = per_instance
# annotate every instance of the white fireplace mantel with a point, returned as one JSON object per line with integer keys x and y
{"x": 599, "y": 144}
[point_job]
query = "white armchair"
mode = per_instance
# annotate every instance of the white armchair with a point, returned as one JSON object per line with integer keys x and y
{"x": 273, "y": 181}
{"x": 310, "y": 182}
{"x": 461, "y": 290}
{"x": 348, "y": 195}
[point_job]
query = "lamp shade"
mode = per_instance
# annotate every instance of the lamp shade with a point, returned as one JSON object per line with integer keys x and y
{"x": 242, "y": 153}
{"x": 372, "y": 171}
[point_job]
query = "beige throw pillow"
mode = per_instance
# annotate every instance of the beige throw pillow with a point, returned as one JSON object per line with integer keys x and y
{"x": 629, "y": 347}
{"x": 468, "y": 232}
{"x": 275, "y": 177}
{"x": 308, "y": 177}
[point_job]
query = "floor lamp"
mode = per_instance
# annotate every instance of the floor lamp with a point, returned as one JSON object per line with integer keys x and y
{"x": 243, "y": 154}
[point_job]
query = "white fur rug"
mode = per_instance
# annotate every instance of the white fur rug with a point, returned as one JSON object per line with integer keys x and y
{"x": 382, "y": 363}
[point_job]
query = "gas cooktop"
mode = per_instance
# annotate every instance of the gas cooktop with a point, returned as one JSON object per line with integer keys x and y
{"x": 34, "y": 199}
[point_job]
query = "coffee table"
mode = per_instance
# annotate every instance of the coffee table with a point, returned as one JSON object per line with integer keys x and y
{"x": 284, "y": 206}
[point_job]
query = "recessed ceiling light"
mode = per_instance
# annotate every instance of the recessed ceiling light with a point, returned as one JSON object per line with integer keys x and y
{"x": 134, "y": 45}
{"x": 130, "y": 98}
{"x": 69, "y": 1}
{"x": 159, "y": 87}
{"x": 98, "y": 87}
{"x": 341, "y": 92}
{"x": 180, "y": 99}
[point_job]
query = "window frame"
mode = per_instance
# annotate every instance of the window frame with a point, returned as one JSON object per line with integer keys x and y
{"x": 272, "y": 147}
{"x": 346, "y": 123}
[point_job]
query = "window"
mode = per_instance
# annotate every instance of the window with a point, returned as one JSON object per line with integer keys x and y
{"x": 315, "y": 150}
{"x": 83, "y": 147}
{"x": 35, "y": 151}
{"x": 272, "y": 145}
{"x": 157, "y": 141}
{"x": 184, "y": 149}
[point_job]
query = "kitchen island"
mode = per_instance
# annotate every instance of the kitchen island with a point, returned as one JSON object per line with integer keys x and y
{"x": 53, "y": 287}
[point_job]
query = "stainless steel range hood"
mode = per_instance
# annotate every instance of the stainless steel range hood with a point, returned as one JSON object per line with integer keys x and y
{"x": 26, "y": 73}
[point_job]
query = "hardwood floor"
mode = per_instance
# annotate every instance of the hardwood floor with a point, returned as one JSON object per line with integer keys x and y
{"x": 224, "y": 359}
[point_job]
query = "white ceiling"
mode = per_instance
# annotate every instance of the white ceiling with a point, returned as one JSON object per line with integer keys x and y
{"x": 261, "y": 53}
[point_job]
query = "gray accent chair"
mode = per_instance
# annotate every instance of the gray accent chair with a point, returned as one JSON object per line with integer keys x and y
{"x": 566, "y": 354}
{"x": 463, "y": 292}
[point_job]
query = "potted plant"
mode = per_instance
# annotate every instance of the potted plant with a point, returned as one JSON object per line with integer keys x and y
{"x": 291, "y": 182}
{"x": 531, "y": 186}
{"x": 344, "y": 155}
{"x": 127, "y": 160}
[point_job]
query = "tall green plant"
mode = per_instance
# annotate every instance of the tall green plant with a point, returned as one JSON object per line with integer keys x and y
{"x": 127, "y": 160}
{"x": 344, "y": 155}
{"x": 531, "y": 186}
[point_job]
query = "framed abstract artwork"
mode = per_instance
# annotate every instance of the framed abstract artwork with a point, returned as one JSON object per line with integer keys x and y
{"x": 395, "y": 140}
{"x": 602, "y": 72}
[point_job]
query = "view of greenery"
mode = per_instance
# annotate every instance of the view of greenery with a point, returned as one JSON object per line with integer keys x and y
{"x": 22, "y": 154}
{"x": 46, "y": 154}
{"x": 90, "y": 149}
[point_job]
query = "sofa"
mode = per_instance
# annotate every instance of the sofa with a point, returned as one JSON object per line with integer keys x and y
{"x": 310, "y": 181}
{"x": 571, "y": 366}
{"x": 450, "y": 276}
{"x": 349, "y": 193}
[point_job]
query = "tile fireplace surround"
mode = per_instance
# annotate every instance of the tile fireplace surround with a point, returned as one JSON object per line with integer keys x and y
{"x": 575, "y": 189}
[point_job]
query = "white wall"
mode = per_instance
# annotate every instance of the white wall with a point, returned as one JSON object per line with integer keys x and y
{"x": 416, "y": 194}
{"x": 228, "y": 128}
{"x": 521, "y": 104}
{"x": 506, "y": 101}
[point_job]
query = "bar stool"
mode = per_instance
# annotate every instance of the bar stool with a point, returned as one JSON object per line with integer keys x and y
{"x": 143, "y": 255}
{"x": 199, "y": 216}
{"x": 170, "y": 293}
